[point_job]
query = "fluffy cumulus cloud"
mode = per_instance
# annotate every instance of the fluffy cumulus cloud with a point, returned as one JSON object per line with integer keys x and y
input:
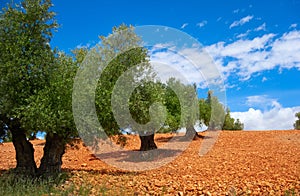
{"x": 245, "y": 57}
{"x": 272, "y": 116}
{"x": 189, "y": 64}
{"x": 277, "y": 118}
{"x": 241, "y": 21}
{"x": 285, "y": 51}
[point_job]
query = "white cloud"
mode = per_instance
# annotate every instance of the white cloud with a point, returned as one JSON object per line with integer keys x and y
{"x": 169, "y": 63}
{"x": 261, "y": 27}
{"x": 202, "y": 23}
{"x": 272, "y": 116}
{"x": 184, "y": 25}
{"x": 285, "y": 51}
{"x": 238, "y": 48}
{"x": 249, "y": 56}
{"x": 243, "y": 35}
{"x": 276, "y": 118}
{"x": 190, "y": 64}
{"x": 261, "y": 101}
{"x": 293, "y": 25}
{"x": 240, "y": 22}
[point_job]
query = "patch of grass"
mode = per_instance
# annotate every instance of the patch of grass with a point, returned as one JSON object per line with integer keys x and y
{"x": 17, "y": 185}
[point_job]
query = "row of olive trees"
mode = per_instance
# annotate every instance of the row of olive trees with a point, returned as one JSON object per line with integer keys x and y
{"x": 36, "y": 86}
{"x": 36, "y": 83}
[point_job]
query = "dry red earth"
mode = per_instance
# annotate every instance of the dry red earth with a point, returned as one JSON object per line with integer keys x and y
{"x": 240, "y": 163}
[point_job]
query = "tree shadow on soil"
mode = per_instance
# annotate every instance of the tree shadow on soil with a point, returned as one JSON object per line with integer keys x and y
{"x": 136, "y": 156}
{"x": 166, "y": 139}
{"x": 114, "y": 172}
{"x": 155, "y": 155}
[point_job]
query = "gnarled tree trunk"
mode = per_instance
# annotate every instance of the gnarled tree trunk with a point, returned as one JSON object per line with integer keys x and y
{"x": 191, "y": 133}
{"x": 52, "y": 159}
{"x": 24, "y": 151}
{"x": 147, "y": 142}
{"x": 212, "y": 126}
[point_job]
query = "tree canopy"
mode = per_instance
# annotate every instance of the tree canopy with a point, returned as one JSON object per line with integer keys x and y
{"x": 120, "y": 52}
{"x": 230, "y": 123}
{"x": 50, "y": 110}
{"x": 214, "y": 115}
{"x": 25, "y": 55}
{"x": 25, "y": 62}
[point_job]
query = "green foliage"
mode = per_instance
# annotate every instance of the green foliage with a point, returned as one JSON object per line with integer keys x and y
{"x": 297, "y": 123}
{"x": 50, "y": 109}
{"x": 204, "y": 111}
{"x": 213, "y": 115}
{"x": 238, "y": 125}
{"x": 216, "y": 112}
{"x": 120, "y": 55}
{"x": 12, "y": 184}
{"x": 172, "y": 104}
{"x": 143, "y": 97}
{"x": 122, "y": 52}
{"x": 232, "y": 124}
{"x": 183, "y": 108}
{"x": 36, "y": 82}
{"x": 180, "y": 101}
{"x": 25, "y": 57}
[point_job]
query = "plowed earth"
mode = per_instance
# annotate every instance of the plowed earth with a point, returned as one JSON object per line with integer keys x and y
{"x": 240, "y": 163}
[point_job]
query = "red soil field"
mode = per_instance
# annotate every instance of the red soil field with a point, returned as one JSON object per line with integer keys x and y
{"x": 240, "y": 163}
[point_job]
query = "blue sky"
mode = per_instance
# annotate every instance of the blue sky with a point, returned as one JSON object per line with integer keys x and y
{"x": 255, "y": 44}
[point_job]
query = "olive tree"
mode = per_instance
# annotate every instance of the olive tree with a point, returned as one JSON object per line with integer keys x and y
{"x": 25, "y": 58}
{"x": 121, "y": 53}
{"x": 50, "y": 110}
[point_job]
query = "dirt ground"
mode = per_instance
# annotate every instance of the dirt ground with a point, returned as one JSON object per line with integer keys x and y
{"x": 240, "y": 163}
